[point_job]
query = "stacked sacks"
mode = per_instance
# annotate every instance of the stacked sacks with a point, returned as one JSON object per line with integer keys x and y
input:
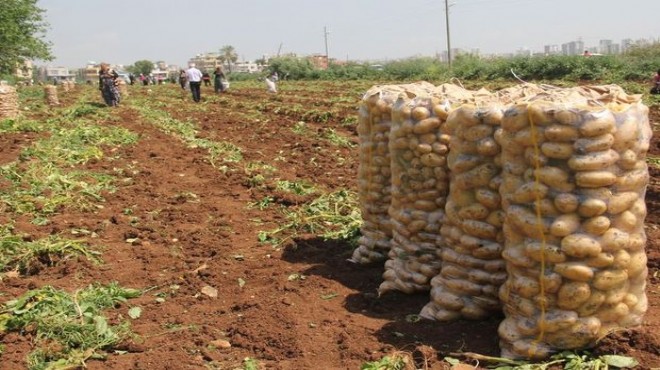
{"x": 50, "y": 93}
{"x": 472, "y": 266}
{"x": 122, "y": 87}
{"x": 420, "y": 183}
{"x": 374, "y": 123}
{"x": 8, "y": 102}
{"x": 574, "y": 179}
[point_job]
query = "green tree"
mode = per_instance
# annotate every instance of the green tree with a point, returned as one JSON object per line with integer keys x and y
{"x": 141, "y": 66}
{"x": 22, "y": 28}
{"x": 228, "y": 55}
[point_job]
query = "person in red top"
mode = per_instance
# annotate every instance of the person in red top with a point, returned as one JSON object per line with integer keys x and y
{"x": 656, "y": 83}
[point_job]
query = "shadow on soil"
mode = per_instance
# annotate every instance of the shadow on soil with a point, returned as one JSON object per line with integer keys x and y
{"x": 405, "y": 330}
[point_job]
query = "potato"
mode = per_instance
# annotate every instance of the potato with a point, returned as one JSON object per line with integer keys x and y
{"x": 420, "y": 113}
{"x": 441, "y": 111}
{"x": 565, "y": 224}
{"x": 557, "y": 150}
{"x": 580, "y": 246}
{"x": 446, "y": 299}
{"x": 617, "y": 294}
{"x": 632, "y": 180}
{"x": 535, "y": 158}
{"x": 594, "y": 144}
{"x": 428, "y": 138}
{"x": 577, "y": 271}
{"x": 529, "y": 192}
{"x": 621, "y": 202}
{"x": 636, "y": 241}
{"x": 573, "y": 294}
{"x": 488, "y": 251}
{"x": 459, "y": 286}
{"x": 426, "y": 125}
{"x": 592, "y": 207}
{"x": 544, "y": 252}
{"x": 597, "y": 123}
{"x": 566, "y": 202}
{"x": 582, "y": 334}
{"x": 515, "y": 118}
{"x": 609, "y": 279}
{"x": 593, "y": 161}
{"x": 595, "y": 179}
{"x": 496, "y": 218}
{"x": 475, "y": 211}
{"x": 555, "y": 178}
{"x": 527, "y": 222}
{"x": 479, "y": 229}
{"x": 555, "y": 320}
{"x": 472, "y": 311}
{"x": 433, "y": 160}
{"x": 517, "y": 256}
{"x": 561, "y": 133}
{"x": 439, "y": 148}
{"x": 508, "y": 330}
{"x": 596, "y": 225}
{"x": 464, "y": 162}
{"x": 612, "y": 313}
{"x": 637, "y": 264}
{"x": 628, "y": 160}
{"x": 478, "y": 132}
{"x": 639, "y": 208}
{"x": 529, "y": 137}
{"x": 568, "y": 116}
{"x": 602, "y": 260}
{"x": 424, "y": 148}
{"x": 614, "y": 239}
{"x": 627, "y": 134}
{"x": 487, "y": 147}
{"x": 627, "y": 221}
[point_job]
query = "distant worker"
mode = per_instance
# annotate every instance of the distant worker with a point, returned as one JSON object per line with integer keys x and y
{"x": 131, "y": 78}
{"x": 108, "y": 81}
{"x": 587, "y": 53}
{"x": 206, "y": 78}
{"x": 182, "y": 79}
{"x": 194, "y": 77}
{"x": 218, "y": 79}
{"x": 656, "y": 83}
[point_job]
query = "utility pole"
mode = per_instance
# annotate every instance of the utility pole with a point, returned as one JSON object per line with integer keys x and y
{"x": 325, "y": 35}
{"x": 448, "y": 39}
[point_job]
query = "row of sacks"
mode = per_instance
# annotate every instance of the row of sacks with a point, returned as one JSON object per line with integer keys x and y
{"x": 528, "y": 200}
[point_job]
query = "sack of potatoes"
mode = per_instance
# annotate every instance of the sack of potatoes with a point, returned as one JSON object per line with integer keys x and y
{"x": 374, "y": 188}
{"x": 472, "y": 265}
{"x": 420, "y": 183}
{"x": 574, "y": 175}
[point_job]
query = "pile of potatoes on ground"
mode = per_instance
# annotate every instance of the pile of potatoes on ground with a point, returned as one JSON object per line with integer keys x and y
{"x": 529, "y": 200}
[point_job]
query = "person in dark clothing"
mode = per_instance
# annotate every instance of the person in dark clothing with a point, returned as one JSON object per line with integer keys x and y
{"x": 206, "y": 78}
{"x": 218, "y": 79}
{"x": 656, "y": 83}
{"x": 108, "y": 85}
{"x": 182, "y": 79}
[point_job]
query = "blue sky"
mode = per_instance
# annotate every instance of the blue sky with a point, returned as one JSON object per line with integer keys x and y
{"x": 124, "y": 31}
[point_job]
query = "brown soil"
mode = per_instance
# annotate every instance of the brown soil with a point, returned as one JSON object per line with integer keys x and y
{"x": 194, "y": 229}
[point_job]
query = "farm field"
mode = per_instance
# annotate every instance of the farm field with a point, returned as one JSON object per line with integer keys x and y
{"x": 213, "y": 211}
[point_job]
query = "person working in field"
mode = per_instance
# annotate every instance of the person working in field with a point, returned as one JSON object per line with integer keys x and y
{"x": 218, "y": 79}
{"x": 108, "y": 81}
{"x": 194, "y": 77}
{"x": 655, "y": 89}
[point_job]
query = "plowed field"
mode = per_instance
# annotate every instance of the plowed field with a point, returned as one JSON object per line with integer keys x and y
{"x": 183, "y": 221}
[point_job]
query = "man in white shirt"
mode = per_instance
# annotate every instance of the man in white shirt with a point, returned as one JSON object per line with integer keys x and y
{"x": 194, "y": 77}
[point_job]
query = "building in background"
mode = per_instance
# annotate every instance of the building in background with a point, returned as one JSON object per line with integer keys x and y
{"x": 551, "y": 49}
{"x": 56, "y": 75}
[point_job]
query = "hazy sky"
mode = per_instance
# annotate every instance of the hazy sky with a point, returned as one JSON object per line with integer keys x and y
{"x": 124, "y": 31}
